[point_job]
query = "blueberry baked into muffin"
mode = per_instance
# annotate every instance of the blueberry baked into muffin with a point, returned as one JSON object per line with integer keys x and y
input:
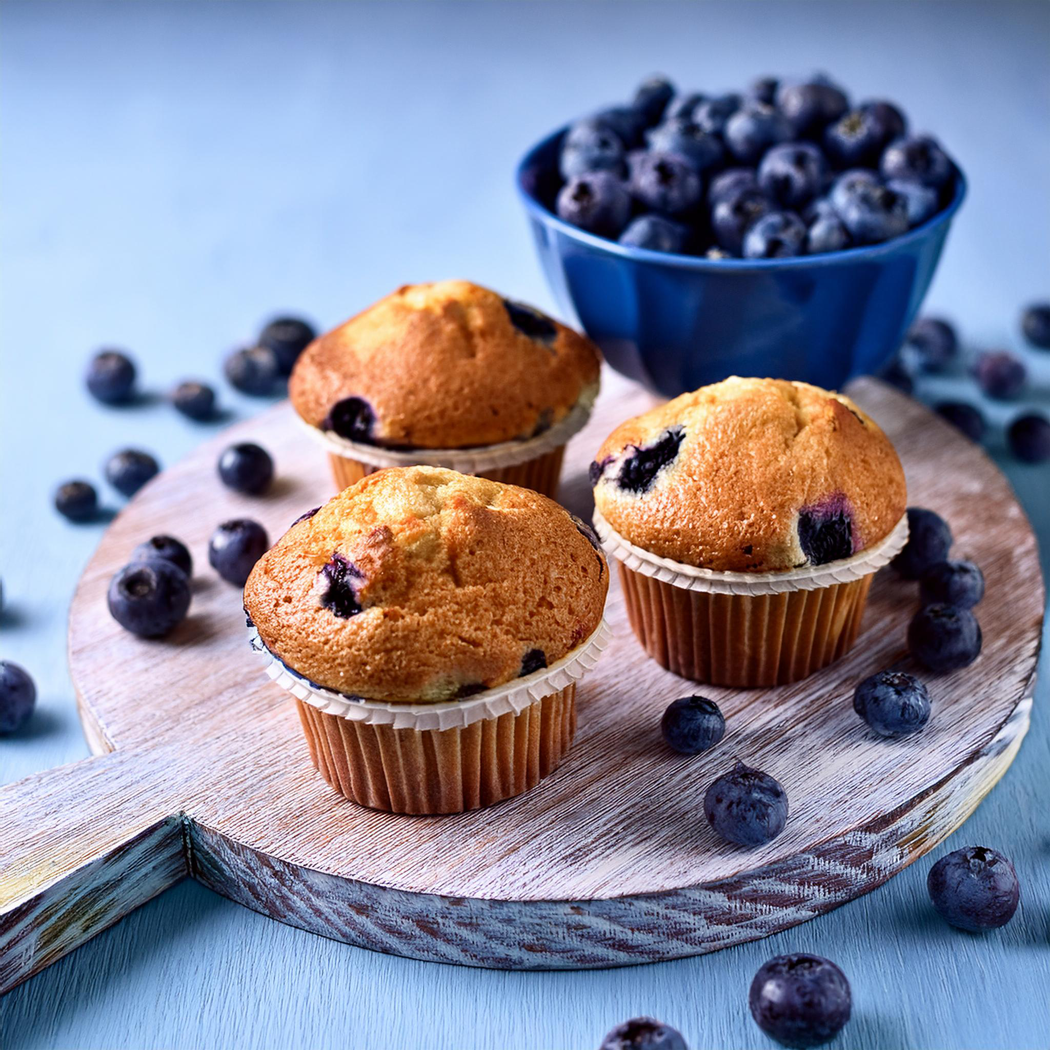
{"x": 749, "y": 517}
{"x": 404, "y": 614}
{"x": 448, "y": 374}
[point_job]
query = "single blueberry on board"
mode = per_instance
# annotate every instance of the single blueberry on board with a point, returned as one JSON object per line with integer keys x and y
{"x": 974, "y": 889}
{"x": 713, "y": 113}
{"x": 800, "y": 1000}
{"x": 944, "y": 638}
{"x": 1029, "y": 438}
{"x": 1035, "y": 324}
{"x": 149, "y": 598}
{"x": 692, "y": 724}
{"x": 591, "y": 146}
{"x": 871, "y": 212}
{"x": 826, "y": 234}
{"x": 287, "y": 337}
{"x": 129, "y": 469}
{"x": 530, "y": 322}
{"x": 111, "y": 377}
{"x": 246, "y": 467}
{"x": 234, "y": 548}
{"x": 352, "y": 418}
{"x": 76, "y": 500}
{"x": 921, "y": 201}
{"x": 643, "y": 1033}
{"x": 792, "y": 173}
{"x": 919, "y": 159}
{"x": 252, "y": 370}
{"x": 958, "y": 583}
{"x": 597, "y": 202}
{"x": 685, "y": 137}
{"x": 746, "y": 806}
{"x": 17, "y": 696}
{"x": 533, "y": 660}
{"x": 934, "y": 343}
{"x": 652, "y": 98}
{"x": 893, "y": 703}
{"x": 729, "y": 182}
{"x": 665, "y": 183}
{"x": 778, "y": 235}
{"x": 855, "y": 140}
{"x": 340, "y": 595}
{"x": 825, "y": 531}
{"x": 964, "y": 417}
{"x": 642, "y": 464}
{"x": 1000, "y": 374}
{"x": 810, "y": 107}
{"x": 194, "y": 400}
{"x": 165, "y": 548}
{"x": 656, "y": 234}
{"x": 752, "y": 129}
{"x": 734, "y": 214}
{"x": 929, "y": 540}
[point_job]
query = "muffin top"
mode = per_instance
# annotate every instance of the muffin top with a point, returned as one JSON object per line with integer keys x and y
{"x": 751, "y": 475}
{"x": 421, "y": 584}
{"x": 444, "y": 365}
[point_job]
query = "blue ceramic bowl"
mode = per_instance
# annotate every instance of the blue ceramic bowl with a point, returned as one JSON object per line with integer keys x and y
{"x": 676, "y": 322}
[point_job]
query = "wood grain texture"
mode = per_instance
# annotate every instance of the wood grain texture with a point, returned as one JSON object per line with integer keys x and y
{"x": 608, "y": 861}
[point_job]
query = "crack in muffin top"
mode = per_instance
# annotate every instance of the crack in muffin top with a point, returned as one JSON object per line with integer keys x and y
{"x": 751, "y": 475}
{"x": 419, "y": 584}
{"x": 443, "y": 365}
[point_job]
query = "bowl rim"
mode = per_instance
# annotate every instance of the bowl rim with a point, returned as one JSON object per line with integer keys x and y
{"x": 675, "y": 260}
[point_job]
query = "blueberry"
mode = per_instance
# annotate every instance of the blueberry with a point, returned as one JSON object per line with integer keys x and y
{"x": 341, "y": 578}
{"x": 919, "y": 159}
{"x": 893, "y": 703}
{"x": 974, "y": 888}
{"x": 686, "y": 138}
{"x": 944, "y": 638}
{"x": 76, "y": 500}
{"x": 692, "y": 724}
{"x": 712, "y": 114}
{"x": 752, "y": 129}
{"x": 792, "y": 173}
{"x": 1035, "y": 324}
{"x": 194, "y": 400}
{"x": 246, "y": 467}
{"x": 846, "y": 184}
{"x": 898, "y": 376}
{"x": 855, "y": 140}
{"x": 165, "y": 548}
{"x": 639, "y": 470}
{"x": 809, "y": 107}
{"x": 778, "y": 235}
{"x": 889, "y": 117}
{"x": 1000, "y": 374}
{"x": 1029, "y": 438}
{"x": 819, "y": 208}
{"x": 683, "y": 105}
{"x": 934, "y": 342}
{"x": 234, "y": 548}
{"x": 665, "y": 182}
{"x": 149, "y": 598}
{"x": 597, "y": 202}
{"x": 652, "y": 98}
{"x": 958, "y": 583}
{"x": 253, "y": 370}
{"x": 731, "y": 181}
{"x": 746, "y": 807}
{"x": 305, "y": 516}
{"x": 764, "y": 89}
{"x": 351, "y": 418}
{"x": 287, "y": 337}
{"x": 534, "y": 660}
{"x": 129, "y": 469}
{"x": 734, "y": 214}
{"x": 590, "y": 146}
{"x": 643, "y": 1033}
{"x": 530, "y": 322}
{"x": 800, "y": 1000}
{"x": 655, "y": 233}
{"x": 929, "y": 540}
{"x": 111, "y": 377}
{"x": 625, "y": 122}
{"x": 965, "y": 418}
{"x": 872, "y": 213}
{"x": 17, "y": 696}
{"x": 826, "y": 234}
{"x": 921, "y": 201}
{"x": 825, "y": 531}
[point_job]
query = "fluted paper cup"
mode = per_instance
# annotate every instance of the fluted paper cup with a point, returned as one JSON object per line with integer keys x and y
{"x": 745, "y": 629}
{"x": 444, "y": 757}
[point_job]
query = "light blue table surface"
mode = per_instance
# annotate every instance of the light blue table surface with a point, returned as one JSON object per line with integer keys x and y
{"x": 174, "y": 173}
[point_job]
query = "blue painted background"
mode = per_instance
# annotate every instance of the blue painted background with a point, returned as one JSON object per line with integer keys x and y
{"x": 171, "y": 174}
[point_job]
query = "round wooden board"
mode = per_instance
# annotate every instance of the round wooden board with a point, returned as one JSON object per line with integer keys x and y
{"x": 609, "y": 861}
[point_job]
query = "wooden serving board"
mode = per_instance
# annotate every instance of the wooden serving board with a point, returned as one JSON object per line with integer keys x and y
{"x": 201, "y": 769}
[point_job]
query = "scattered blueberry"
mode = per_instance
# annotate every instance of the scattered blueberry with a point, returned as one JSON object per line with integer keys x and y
{"x": 826, "y": 234}
{"x": 530, "y": 322}
{"x": 958, "y": 583}
{"x": 111, "y": 377}
{"x": 149, "y": 598}
{"x": 639, "y": 470}
{"x": 534, "y": 660}
{"x": 734, "y": 214}
{"x": 934, "y": 342}
{"x": 76, "y": 500}
{"x": 287, "y": 337}
{"x": 929, "y": 540}
{"x": 855, "y": 140}
{"x": 918, "y": 159}
{"x": 730, "y": 182}
{"x": 752, "y": 129}
{"x": 778, "y": 235}
{"x": 872, "y": 213}
{"x": 746, "y": 807}
{"x": 1035, "y": 324}
{"x": 253, "y": 370}
{"x": 686, "y": 138}
{"x": 1000, "y": 374}
{"x": 351, "y": 418}
{"x": 665, "y": 183}
{"x": 974, "y": 888}
{"x": 800, "y": 1000}
{"x": 652, "y": 98}
{"x": 626, "y": 122}
{"x": 825, "y": 531}
{"x": 944, "y": 637}
{"x": 655, "y": 233}
{"x": 341, "y": 576}
{"x": 591, "y": 146}
{"x": 1029, "y": 438}
{"x": 165, "y": 548}
{"x": 246, "y": 467}
{"x": 712, "y": 114}
{"x": 810, "y": 107}
{"x": 598, "y": 202}
{"x": 643, "y": 1033}
{"x": 893, "y": 703}
{"x": 194, "y": 400}
{"x": 235, "y": 547}
{"x": 692, "y": 724}
{"x": 965, "y": 418}
{"x": 129, "y": 469}
{"x": 17, "y": 696}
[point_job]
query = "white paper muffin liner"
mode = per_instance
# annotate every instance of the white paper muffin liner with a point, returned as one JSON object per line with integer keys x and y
{"x": 513, "y": 697}
{"x": 808, "y": 578}
{"x": 465, "y": 460}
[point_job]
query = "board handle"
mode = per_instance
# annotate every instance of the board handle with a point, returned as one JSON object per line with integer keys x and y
{"x": 80, "y": 847}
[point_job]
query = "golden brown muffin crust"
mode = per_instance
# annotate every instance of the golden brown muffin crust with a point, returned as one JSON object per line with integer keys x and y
{"x": 442, "y": 366}
{"x": 758, "y": 460}
{"x": 458, "y": 580}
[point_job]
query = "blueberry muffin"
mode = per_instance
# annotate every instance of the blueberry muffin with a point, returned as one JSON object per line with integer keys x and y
{"x": 449, "y": 374}
{"x": 749, "y": 517}
{"x": 420, "y": 592}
